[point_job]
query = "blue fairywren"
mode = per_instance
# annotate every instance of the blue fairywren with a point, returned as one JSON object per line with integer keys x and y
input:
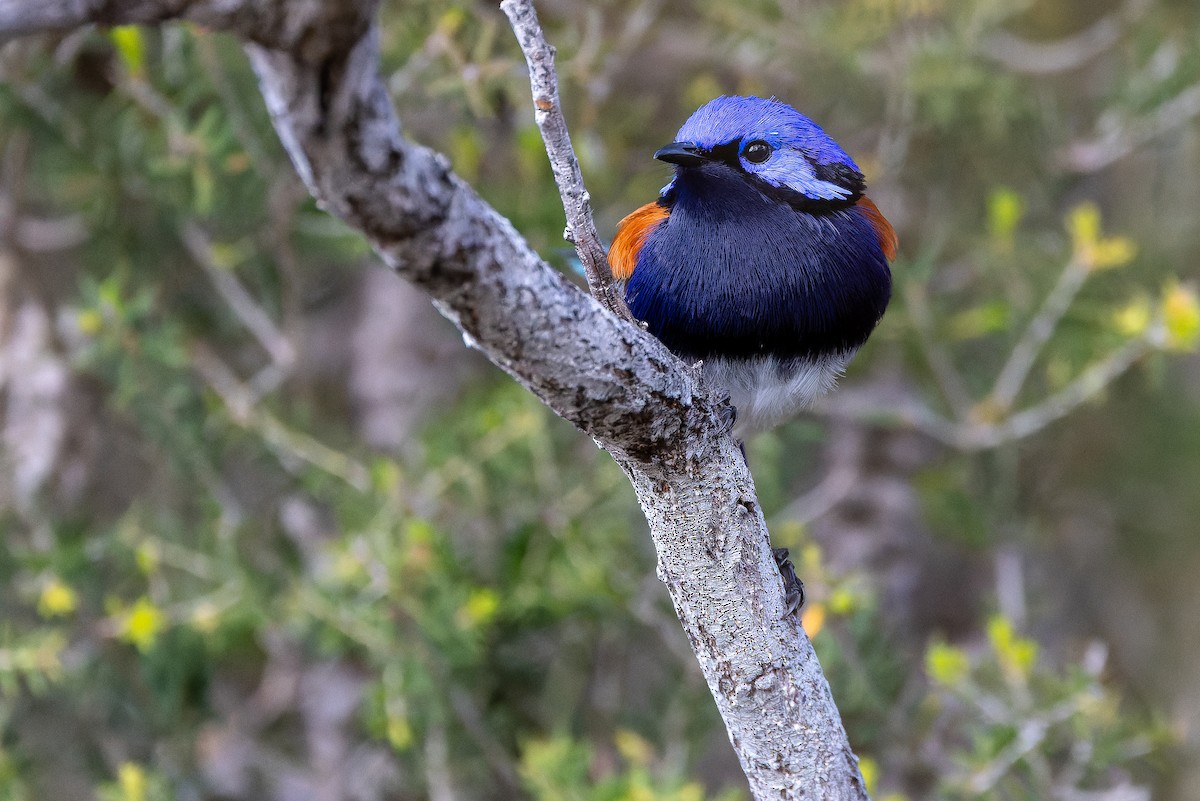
{"x": 762, "y": 258}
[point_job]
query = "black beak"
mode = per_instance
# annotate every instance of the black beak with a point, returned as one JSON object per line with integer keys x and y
{"x": 685, "y": 154}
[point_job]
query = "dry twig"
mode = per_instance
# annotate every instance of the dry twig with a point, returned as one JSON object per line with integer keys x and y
{"x": 581, "y": 227}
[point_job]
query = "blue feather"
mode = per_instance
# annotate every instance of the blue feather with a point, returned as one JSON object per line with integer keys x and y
{"x": 734, "y": 272}
{"x": 804, "y": 158}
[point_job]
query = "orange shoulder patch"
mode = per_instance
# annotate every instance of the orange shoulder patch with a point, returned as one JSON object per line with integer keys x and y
{"x": 887, "y": 235}
{"x": 631, "y": 236}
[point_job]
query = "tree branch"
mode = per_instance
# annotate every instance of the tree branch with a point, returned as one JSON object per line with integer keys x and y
{"x": 317, "y": 65}
{"x": 1035, "y": 336}
{"x": 581, "y": 228}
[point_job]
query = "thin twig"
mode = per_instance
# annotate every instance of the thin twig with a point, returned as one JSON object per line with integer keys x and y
{"x": 1019, "y": 54}
{"x": 1085, "y": 387}
{"x": 1037, "y": 333}
{"x": 598, "y": 79}
{"x": 1119, "y": 140}
{"x": 949, "y": 379}
{"x": 581, "y": 227}
{"x": 476, "y": 726}
{"x": 817, "y": 502}
{"x": 240, "y": 301}
{"x": 971, "y": 435}
{"x": 906, "y": 412}
{"x": 290, "y": 446}
{"x": 437, "y": 765}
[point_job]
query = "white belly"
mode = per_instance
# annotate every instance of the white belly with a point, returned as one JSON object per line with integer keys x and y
{"x": 766, "y": 391}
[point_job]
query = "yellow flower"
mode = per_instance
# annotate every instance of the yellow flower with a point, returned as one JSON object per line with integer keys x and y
{"x": 946, "y": 664}
{"x": 1083, "y": 223}
{"x": 1181, "y": 317}
{"x": 57, "y": 599}
{"x": 399, "y": 732}
{"x": 843, "y": 601}
{"x": 131, "y": 779}
{"x": 143, "y": 623}
{"x": 1113, "y": 251}
{"x": 1134, "y": 319}
{"x": 1016, "y": 654}
{"x": 813, "y": 619}
{"x": 1091, "y": 249}
{"x": 1005, "y": 209}
{"x": 90, "y": 322}
{"x": 481, "y": 607}
{"x": 130, "y": 46}
{"x": 634, "y": 747}
{"x": 870, "y": 773}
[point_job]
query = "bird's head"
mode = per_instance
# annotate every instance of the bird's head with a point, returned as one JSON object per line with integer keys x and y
{"x": 771, "y": 145}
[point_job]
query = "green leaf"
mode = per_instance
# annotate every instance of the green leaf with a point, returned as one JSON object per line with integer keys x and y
{"x": 130, "y": 47}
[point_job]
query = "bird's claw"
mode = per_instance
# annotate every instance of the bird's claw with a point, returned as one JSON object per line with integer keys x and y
{"x": 793, "y": 587}
{"x": 728, "y": 413}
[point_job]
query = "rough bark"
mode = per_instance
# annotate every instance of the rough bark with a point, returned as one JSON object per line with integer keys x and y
{"x": 317, "y": 67}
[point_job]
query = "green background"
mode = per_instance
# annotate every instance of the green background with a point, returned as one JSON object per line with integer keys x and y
{"x": 271, "y": 531}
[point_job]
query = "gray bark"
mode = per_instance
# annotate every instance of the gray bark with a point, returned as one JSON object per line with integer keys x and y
{"x": 317, "y": 67}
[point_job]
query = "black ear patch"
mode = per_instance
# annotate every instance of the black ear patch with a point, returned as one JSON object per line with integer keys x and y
{"x": 846, "y": 177}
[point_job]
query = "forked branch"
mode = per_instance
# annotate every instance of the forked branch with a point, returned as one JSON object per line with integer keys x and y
{"x": 318, "y": 70}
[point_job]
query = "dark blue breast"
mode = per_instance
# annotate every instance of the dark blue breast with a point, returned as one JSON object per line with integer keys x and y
{"x": 734, "y": 272}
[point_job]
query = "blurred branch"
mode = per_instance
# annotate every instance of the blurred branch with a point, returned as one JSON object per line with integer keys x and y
{"x": 1090, "y": 383}
{"x": 1024, "y": 745}
{"x": 19, "y": 18}
{"x": 949, "y": 379}
{"x": 437, "y": 765}
{"x": 291, "y": 446}
{"x": 1123, "y": 137}
{"x": 1012, "y": 376}
{"x": 834, "y": 488}
{"x": 581, "y": 228}
{"x": 974, "y": 435}
{"x": 597, "y": 79}
{"x": 475, "y": 725}
{"x": 1070, "y": 52}
{"x": 37, "y": 234}
{"x": 241, "y": 302}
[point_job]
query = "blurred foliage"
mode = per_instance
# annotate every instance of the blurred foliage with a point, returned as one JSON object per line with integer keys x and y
{"x": 1018, "y": 730}
{"x": 212, "y": 588}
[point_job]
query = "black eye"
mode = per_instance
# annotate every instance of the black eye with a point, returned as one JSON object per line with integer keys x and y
{"x": 756, "y": 152}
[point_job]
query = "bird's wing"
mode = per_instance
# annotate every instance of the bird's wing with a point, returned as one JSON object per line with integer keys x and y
{"x": 632, "y": 233}
{"x": 888, "y": 242}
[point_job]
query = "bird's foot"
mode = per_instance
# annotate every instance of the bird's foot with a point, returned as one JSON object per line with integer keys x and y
{"x": 727, "y": 412}
{"x": 793, "y": 587}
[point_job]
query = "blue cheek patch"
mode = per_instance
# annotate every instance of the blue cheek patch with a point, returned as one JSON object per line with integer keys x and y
{"x": 820, "y": 190}
{"x": 791, "y": 170}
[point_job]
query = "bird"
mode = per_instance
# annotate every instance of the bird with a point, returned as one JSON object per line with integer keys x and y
{"x": 762, "y": 259}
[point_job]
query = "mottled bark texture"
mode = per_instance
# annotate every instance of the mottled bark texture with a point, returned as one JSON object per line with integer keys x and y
{"x": 317, "y": 64}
